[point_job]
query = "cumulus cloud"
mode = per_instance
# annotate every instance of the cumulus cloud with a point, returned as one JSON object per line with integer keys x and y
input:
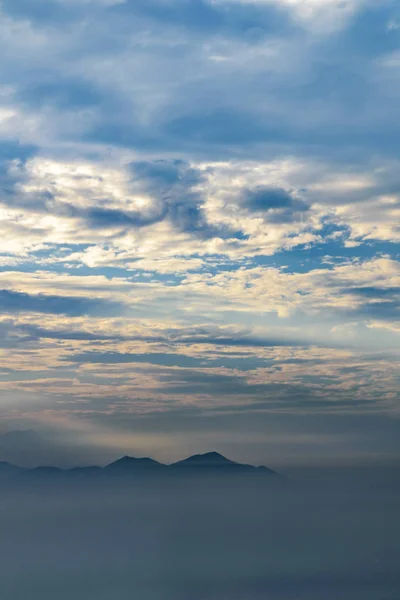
{"x": 199, "y": 208}
{"x": 278, "y": 204}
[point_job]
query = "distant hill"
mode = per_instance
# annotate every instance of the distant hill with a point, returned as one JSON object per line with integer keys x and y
{"x": 210, "y": 463}
{"x": 129, "y": 464}
{"x": 216, "y": 463}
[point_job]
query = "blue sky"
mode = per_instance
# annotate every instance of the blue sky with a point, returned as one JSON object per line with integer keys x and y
{"x": 199, "y": 233}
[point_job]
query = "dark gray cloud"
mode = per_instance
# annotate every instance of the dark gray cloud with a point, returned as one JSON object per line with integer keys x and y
{"x": 12, "y": 337}
{"x": 181, "y": 360}
{"x": 109, "y": 218}
{"x": 170, "y": 359}
{"x": 251, "y": 342}
{"x": 371, "y": 292}
{"x": 334, "y": 77}
{"x": 172, "y": 186}
{"x": 13, "y": 150}
{"x": 155, "y": 358}
{"x": 15, "y": 302}
{"x": 168, "y": 337}
{"x": 276, "y": 204}
{"x": 63, "y": 93}
{"x": 267, "y": 198}
{"x": 198, "y": 382}
{"x": 386, "y": 311}
{"x": 36, "y": 332}
{"x": 376, "y": 302}
{"x": 174, "y": 183}
{"x": 221, "y": 128}
{"x": 160, "y": 175}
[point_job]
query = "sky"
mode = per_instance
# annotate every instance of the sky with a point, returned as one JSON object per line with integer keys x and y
{"x": 199, "y": 229}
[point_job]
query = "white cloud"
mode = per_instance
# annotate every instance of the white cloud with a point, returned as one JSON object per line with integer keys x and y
{"x": 303, "y": 109}
{"x": 321, "y": 15}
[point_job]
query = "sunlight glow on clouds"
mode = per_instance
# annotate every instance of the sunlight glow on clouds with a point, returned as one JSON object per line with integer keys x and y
{"x": 199, "y": 213}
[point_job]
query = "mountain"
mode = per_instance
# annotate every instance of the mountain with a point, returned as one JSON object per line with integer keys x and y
{"x": 84, "y": 471}
{"x": 129, "y": 465}
{"x": 213, "y": 462}
{"x": 210, "y": 463}
{"x": 209, "y": 459}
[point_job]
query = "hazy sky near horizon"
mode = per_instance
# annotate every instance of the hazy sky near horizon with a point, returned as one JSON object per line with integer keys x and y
{"x": 199, "y": 226}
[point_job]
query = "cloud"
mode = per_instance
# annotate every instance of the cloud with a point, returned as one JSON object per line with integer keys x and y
{"x": 295, "y": 104}
{"x": 374, "y": 292}
{"x": 175, "y": 184}
{"x": 155, "y": 358}
{"x": 63, "y": 94}
{"x": 14, "y": 302}
{"x": 279, "y": 205}
{"x": 157, "y": 191}
{"x": 109, "y": 218}
{"x": 121, "y": 331}
{"x": 171, "y": 359}
{"x": 198, "y": 201}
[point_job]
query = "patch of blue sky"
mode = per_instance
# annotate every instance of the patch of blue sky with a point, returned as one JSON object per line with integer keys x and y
{"x": 303, "y": 259}
{"x": 207, "y": 17}
{"x": 41, "y": 11}
{"x": 369, "y": 33}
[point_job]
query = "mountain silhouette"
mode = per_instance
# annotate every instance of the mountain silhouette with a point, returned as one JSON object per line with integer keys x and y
{"x": 130, "y": 464}
{"x": 209, "y": 459}
{"x": 213, "y": 462}
{"x": 131, "y": 468}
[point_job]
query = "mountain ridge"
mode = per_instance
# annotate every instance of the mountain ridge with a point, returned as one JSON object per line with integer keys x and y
{"x": 197, "y": 464}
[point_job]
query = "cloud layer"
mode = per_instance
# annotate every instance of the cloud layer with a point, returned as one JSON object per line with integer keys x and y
{"x": 199, "y": 219}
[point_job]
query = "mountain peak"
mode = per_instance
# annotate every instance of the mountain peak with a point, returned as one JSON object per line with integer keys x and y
{"x": 132, "y": 463}
{"x": 213, "y": 456}
{"x": 209, "y": 459}
{"x": 212, "y": 463}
